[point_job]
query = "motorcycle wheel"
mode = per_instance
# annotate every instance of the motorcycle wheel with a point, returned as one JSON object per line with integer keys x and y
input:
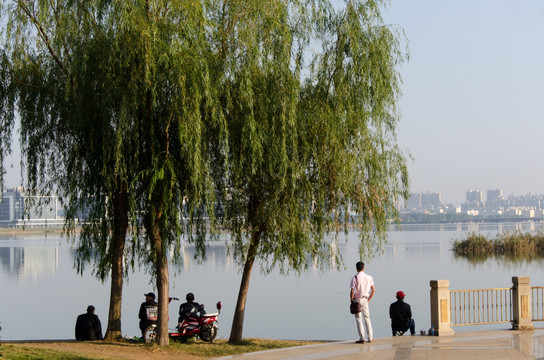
{"x": 208, "y": 333}
{"x": 150, "y": 335}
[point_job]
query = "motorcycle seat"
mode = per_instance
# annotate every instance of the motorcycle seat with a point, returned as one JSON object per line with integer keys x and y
{"x": 210, "y": 315}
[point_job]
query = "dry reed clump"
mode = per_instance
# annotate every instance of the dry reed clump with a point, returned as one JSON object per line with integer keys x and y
{"x": 516, "y": 244}
{"x": 473, "y": 245}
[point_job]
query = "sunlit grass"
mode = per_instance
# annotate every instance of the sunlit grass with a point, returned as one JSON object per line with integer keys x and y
{"x": 223, "y": 348}
{"x": 17, "y": 352}
{"x": 176, "y": 350}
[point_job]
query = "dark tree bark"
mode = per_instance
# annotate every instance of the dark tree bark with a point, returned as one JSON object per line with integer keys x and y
{"x": 152, "y": 225}
{"x": 239, "y": 312}
{"x": 118, "y": 247}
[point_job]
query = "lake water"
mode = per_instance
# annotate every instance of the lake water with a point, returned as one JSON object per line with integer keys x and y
{"x": 41, "y": 295}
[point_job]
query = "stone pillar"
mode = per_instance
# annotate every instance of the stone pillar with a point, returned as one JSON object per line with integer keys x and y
{"x": 440, "y": 307}
{"x": 521, "y": 303}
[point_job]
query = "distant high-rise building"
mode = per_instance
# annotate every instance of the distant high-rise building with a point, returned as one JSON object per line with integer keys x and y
{"x": 474, "y": 196}
{"x": 494, "y": 199}
{"x": 414, "y": 201}
{"x": 431, "y": 200}
{"x": 424, "y": 201}
{"x": 11, "y": 206}
{"x": 19, "y": 209}
{"x": 494, "y": 194}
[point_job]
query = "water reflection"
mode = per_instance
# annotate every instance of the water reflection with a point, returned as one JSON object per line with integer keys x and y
{"x": 216, "y": 258}
{"x": 529, "y": 344}
{"x": 415, "y": 250}
{"x": 28, "y": 263}
{"x": 32, "y": 269}
{"x": 501, "y": 260}
{"x": 474, "y": 227}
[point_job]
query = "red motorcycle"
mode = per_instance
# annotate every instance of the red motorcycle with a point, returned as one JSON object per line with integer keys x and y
{"x": 204, "y": 327}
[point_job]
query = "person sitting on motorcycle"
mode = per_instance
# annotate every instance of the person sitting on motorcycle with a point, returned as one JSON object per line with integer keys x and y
{"x": 148, "y": 311}
{"x": 190, "y": 308}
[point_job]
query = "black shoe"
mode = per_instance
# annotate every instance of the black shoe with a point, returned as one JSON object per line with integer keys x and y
{"x": 360, "y": 342}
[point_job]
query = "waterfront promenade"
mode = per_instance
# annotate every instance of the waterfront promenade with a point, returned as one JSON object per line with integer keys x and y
{"x": 494, "y": 344}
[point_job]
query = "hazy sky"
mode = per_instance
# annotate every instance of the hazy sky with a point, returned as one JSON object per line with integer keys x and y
{"x": 473, "y": 88}
{"x": 472, "y": 99}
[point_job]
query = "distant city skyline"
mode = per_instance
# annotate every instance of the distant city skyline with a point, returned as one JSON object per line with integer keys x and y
{"x": 484, "y": 195}
{"x": 428, "y": 207}
{"x": 483, "y": 191}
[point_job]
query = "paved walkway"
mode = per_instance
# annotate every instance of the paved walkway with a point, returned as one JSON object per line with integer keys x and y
{"x": 494, "y": 345}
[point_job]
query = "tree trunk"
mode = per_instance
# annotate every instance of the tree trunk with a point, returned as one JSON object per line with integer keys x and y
{"x": 118, "y": 248}
{"x": 238, "y": 320}
{"x": 161, "y": 272}
{"x": 162, "y": 289}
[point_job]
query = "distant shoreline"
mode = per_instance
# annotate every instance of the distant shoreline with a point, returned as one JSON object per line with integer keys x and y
{"x": 21, "y": 231}
{"x": 31, "y": 231}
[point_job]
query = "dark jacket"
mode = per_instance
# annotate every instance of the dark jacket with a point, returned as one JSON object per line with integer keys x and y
{"x": 190, "y": 308}
{"x": 400, "y": 314}
{"x": 147, "y": 308}
{"x": 88, "y": 327}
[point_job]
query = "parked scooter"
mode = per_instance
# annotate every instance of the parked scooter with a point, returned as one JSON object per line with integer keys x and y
{"x": 204, "y": 327}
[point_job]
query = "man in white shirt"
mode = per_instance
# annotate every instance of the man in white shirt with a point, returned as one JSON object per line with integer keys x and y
{"x": 362, "y": 290}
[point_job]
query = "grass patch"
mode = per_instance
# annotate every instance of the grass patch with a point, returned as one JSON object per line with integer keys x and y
{"x": 223, "y": 348}
{"x": 13, "y": 352}
{"x": 125, "y": 350}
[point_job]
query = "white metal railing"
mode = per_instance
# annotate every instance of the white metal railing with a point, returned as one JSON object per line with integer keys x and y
{"x": 537, "y": 296}
{"x": 481, "y": 306}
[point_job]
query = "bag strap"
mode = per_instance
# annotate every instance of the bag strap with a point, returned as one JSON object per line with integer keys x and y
{"x": 357, "y": 286}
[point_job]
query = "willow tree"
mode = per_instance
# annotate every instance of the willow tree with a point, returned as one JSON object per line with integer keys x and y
{"x": 119, "y": 91}
{"x": 73, "y": 138}
{"x": 7, "y": 113}
{"x": 174, "y": 106}
{"x": 310, "y": 148}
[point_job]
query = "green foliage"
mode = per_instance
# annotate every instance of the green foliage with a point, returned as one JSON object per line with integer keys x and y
{"x": 309, "y": 101}
{"x": 116, "y": 90}
{"x": 63, "y": 101}
{"x": 309, "y": 145}
{"x": 121, "y": 94}
{"x": 7, "y": 112}
{"x": 281, "y": 115}
{"x": 141, "y": 95}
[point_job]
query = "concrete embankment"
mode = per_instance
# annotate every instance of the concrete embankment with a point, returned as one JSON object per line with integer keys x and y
{"x": 495, "y": 345}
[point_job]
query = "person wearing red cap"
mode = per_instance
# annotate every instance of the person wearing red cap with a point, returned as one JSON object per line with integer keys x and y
{"x": 401, "y": 316}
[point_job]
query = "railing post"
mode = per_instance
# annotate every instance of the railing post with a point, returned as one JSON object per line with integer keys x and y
{"x": 521, "y": 303}
{"x": 440, "y": 307}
